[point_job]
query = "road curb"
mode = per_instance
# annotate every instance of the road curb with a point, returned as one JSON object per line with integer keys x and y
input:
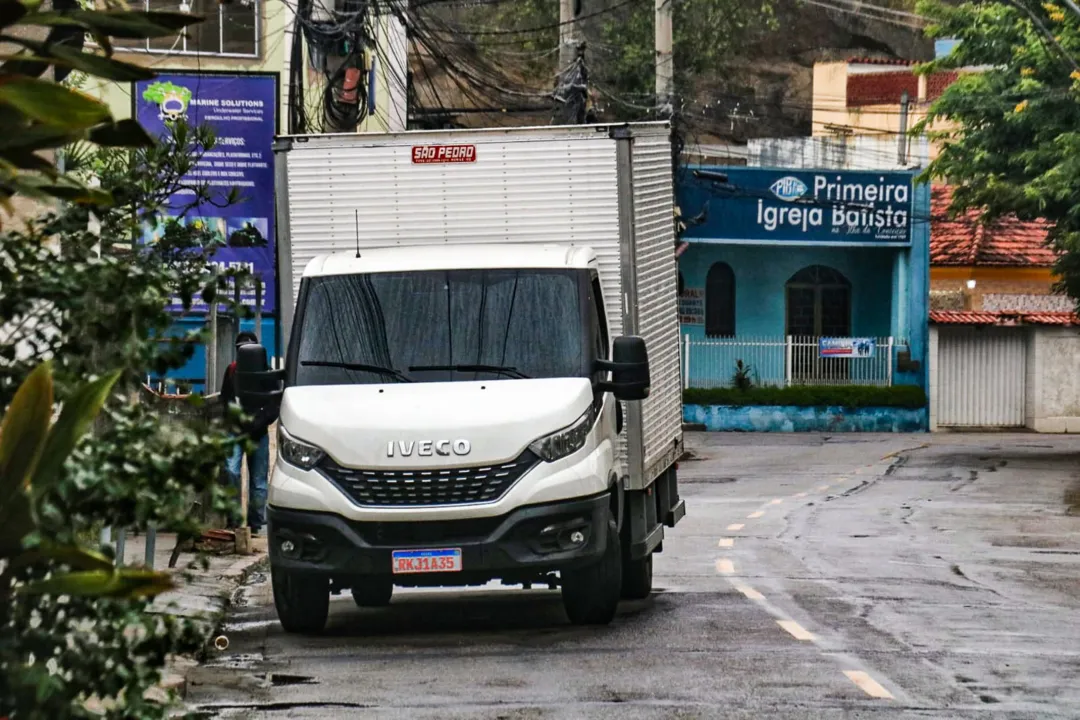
{"x": 174, "y": 676}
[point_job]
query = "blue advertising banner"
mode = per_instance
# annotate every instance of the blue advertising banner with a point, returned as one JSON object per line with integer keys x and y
{"x": 805, "y": 207}
{"x": 241, "y": 110}
{"x": 846, "y": 347}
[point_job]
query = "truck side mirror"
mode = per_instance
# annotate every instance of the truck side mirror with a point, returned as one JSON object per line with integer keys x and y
{"x": 257, "y": 386}
{"x": 629, "y": 368}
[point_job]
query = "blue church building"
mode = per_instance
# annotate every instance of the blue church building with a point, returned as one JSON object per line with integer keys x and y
{"x": 816, "y": 277}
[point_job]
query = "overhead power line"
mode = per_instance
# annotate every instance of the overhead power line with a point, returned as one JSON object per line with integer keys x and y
{"x": 556, "y": 25}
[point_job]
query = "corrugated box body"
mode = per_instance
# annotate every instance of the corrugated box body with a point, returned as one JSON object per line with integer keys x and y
{"x": 522, "y": 185}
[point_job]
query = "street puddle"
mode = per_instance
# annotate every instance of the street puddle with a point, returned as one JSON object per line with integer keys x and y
{"x": 283, "y": 679}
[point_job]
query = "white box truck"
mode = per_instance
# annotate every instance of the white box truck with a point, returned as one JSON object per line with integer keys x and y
{"x": 482, "y": 376}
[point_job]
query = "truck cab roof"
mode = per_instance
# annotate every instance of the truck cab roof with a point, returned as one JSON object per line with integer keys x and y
{"x": 451, "y": 257}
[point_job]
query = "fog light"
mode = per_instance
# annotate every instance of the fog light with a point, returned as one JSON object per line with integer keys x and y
{"x": 288, "y": 547}
{"x": 571, "y": 534}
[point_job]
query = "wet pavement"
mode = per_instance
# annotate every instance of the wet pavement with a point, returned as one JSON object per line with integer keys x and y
{"x": 858, "y": 576}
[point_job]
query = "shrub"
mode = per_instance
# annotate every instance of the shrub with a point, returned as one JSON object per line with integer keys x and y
{"x": 742, "y": 380}
{"x": 92, "y": 304}
{"x": 848, "y": 396}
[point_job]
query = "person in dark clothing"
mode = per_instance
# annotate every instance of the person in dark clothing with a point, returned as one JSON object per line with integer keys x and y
{"x": 258, "y": 461}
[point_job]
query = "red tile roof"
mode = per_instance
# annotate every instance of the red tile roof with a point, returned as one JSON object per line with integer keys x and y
{"x": 966, "y": 241}
{"x": 1002, "y": 317}
{"x": 880, "y": 61}
{"x": 1051, "y": 318}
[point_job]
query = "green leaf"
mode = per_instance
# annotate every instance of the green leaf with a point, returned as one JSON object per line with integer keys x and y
{"x": 24, "y": 432}
{"x": 125, "y": 133}
{"x": 52, "y": 104}
{"x": 99, "y": 66}
{"x": 16, "y": 522}
{"x": 120, "y": 23}
{"x": 103, "y": 42}
{"x": 62, "y": 189}
{"x": 75, "y": 419}
{"x": 121, "y": 583}
{"x": 70, "y": 555}
{"x": 27, "y": 160}
{"x": 10, "y": 12}
{"x": 39, "y": 137}
{"x": 26, "y": 64}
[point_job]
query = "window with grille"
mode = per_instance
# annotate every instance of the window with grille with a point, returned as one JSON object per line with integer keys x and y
{"x": 720, "y": 301}
{"x": 229, "y": 30}
{"x": 819, "y": 303}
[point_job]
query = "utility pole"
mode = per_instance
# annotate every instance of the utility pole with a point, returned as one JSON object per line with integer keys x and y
{"x": 568, "y": 31}
{"x": 665, "y": 66}
{"x": 901, "y": 145}
{"x": 571, "y": 83}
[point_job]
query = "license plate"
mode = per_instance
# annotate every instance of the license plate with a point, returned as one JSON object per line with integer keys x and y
{"x": 426, "y": 561}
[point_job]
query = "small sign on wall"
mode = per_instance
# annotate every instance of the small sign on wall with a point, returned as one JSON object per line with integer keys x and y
{"x": 846, "y": 347}
{"x": 692, "y": 306}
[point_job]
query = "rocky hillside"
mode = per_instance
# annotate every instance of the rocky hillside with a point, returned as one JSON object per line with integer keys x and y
{"x": 763, "y": 90}
{"x": 767, "y": 91}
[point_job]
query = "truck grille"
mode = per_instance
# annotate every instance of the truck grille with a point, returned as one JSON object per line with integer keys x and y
{"x": 435, "y": 486}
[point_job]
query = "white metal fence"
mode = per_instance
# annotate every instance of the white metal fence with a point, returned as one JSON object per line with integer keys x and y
{"x": 782, "y": 361}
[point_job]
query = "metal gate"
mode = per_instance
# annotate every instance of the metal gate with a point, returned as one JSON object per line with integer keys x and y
{"x": 981, "y": 375}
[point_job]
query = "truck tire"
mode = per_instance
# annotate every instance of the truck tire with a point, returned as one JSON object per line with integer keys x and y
{"x": 637, "y": 577}
{"x": 591, "y": 594}
{"x": 302, "y": 601}
{"x": 372, "y": 591}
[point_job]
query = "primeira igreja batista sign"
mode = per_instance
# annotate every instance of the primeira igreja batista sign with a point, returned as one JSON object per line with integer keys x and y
{"x": 798, "y": 206}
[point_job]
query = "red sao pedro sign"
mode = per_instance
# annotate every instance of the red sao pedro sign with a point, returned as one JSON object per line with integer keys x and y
{"x": 422, "y": 154}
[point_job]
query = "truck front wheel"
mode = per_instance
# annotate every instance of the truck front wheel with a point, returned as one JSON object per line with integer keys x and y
{"x": 591, "y": 594}
{"x": 302, "y": 601}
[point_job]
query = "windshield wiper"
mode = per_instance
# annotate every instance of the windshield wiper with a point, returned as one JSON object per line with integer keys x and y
{"x": 500, "y": 369}
{"x": 359, "y": 366}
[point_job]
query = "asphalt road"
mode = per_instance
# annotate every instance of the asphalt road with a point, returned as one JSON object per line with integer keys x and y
{"x": 814, "y": 577}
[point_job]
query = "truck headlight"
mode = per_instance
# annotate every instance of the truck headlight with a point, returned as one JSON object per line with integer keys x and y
{"x": 294, "y": 452}
{"x": 567, "y": 441}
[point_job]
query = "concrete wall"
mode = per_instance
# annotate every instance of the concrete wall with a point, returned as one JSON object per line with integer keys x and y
{"x": 932, "y": 377}
{"x": 1051, "y": 379}
{"x": 848, "y": 152}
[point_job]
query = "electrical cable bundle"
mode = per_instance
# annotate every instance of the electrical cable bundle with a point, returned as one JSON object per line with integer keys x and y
{"x": 571, "y": 88}
{"x": 338, "y": 44}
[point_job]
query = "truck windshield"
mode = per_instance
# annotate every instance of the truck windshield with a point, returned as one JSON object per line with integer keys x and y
{"x": 440, "y": 326}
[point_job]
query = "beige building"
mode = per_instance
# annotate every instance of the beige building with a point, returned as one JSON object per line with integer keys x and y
{"x": 864, "y": 96}
{"x": 1002, "y": 267}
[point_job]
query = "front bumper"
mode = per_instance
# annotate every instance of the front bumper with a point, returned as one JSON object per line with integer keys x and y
{"x": 523, "y": 544}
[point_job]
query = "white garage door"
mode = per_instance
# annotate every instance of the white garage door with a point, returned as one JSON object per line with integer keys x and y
{"x": 981, "y": 377}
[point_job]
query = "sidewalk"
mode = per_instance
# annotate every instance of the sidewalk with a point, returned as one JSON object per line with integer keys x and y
{"x": 204, "y": 598}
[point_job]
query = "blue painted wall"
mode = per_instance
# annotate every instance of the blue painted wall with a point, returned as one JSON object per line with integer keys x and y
{"x": 195, "y": 368}
{"x": 917, "y": 290}
{"x": 727, "y": 418}
{"x": 761, "y": 273}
